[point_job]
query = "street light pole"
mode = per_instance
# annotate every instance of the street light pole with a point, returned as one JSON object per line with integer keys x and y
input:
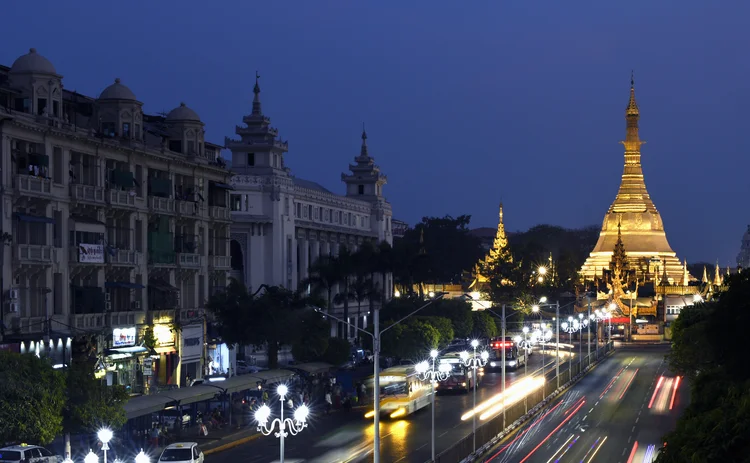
{"x": 588, "y": 331}
{"x": 475, "y": 362}
{"x": 376, "y": 335}
{"x": 287, "y": 425}
{"x": 557, "y": 359}
{"x": 434, "y": 375}
{"x": 525, "y": 331}
{"x": 502, "y": 336}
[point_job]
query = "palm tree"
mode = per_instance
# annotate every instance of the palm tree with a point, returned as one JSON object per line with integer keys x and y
{"x": 324, "y": 275}
{"x": 384, "y": 266}
{"x": 345, "y": 268}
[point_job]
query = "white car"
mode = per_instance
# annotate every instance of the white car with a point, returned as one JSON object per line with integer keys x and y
{"x": 31, "y": 453}
{"x": 182, "y": 452}
{"x": 243, "y": 368}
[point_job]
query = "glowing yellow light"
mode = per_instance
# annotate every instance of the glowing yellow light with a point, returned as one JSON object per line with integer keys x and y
{"x": 517, "y": 396}
{"x": 370, "y": 414}
{"x": 399, "y": 412}
{"x": 542, "y": 270}
{"x": 397, "y": 293}
{"x": 523, "y": 386}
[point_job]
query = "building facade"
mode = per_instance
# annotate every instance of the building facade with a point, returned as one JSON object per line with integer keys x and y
{"x": 282, "y": 224}
{"x": 115, "y": 225}
{"x": 743, "y": 258}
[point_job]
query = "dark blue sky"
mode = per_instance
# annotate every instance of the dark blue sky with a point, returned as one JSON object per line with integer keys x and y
{"x": 466, "y": 103}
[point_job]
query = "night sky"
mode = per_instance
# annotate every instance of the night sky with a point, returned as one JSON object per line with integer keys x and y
{"x": 466, "y": 103}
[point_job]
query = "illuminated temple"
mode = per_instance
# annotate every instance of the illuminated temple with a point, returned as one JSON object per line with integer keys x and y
{"x": 632, "y": 252}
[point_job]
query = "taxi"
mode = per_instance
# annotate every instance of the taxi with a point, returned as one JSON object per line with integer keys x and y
{"x": 182, "y": 452}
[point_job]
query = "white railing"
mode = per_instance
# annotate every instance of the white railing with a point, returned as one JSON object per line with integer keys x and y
{"x": 35, "y": 253}
{"x": 121, "y": 198}
{"x": 189, "y": 260}
{"x": 219, "y": 213}
{"x": 33, "y": 185}
{"x": 161, "y": 205}
{"x": 221, "y": 261}
{"x": 87, "y": 193}
{"x": 124, "y": 257}
{"x": 186, "y": 208}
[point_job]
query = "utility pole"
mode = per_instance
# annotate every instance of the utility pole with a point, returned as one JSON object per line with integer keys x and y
{"x": 557, "y": 360}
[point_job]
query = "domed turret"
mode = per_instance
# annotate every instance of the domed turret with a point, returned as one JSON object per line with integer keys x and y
{"x": 183, "y": 113}
{"x": 32, "y": 62}
{"x": 117, "y": 91}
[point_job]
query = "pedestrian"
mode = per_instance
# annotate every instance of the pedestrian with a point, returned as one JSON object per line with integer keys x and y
{"x": 264, "y": 397}
{"x": 329, "y": 403}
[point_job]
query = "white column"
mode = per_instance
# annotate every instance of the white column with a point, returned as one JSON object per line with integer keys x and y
{"x": 314, "y": 251}
{"x": 304, "y": 262}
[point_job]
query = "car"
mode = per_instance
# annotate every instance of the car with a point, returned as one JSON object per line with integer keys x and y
{"x": 30, "y": 453}
{"x": 243, "y": 368}
{"x": 182, "y": 452}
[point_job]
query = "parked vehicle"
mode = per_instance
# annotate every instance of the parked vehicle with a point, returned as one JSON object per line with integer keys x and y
{"x": 30, "y": 453}
{"x": 182, "y": 452}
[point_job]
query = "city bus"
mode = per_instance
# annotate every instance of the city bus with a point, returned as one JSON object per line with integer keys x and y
{"x": 461, "y": 378}
{"x": 401, "y": 392}
{"x": 514, "y": 357}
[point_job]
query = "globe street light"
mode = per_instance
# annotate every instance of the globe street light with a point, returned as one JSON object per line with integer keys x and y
{"x": 570, "y": 327}
{"x": 91, "y": 457}
{"x": 475, "y": 362}
{"x": 584, "y": 322}
{"x": 142, "y": 457}
{"x": 426, "y": 372}
{"x": 105, "y": 435}
{"x": 294, "y": 426}
{"x": 67, "y": 460}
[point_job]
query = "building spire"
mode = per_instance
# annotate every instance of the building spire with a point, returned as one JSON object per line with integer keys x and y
{"x": 632, "y": 105}
{"x": 256, "y": 98}
{"x": 704, "y": 280}
{"x": 685, "y": 276}
{"x": 363, "y": 152}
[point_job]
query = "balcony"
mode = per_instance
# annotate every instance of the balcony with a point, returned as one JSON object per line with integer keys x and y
{"x": 124, "y": 257}
{"x": 219, "y": 213}
{"x": 161, "y": 205}
{"x": 187, "y": 208}
{"x": 35, "y": 254}
{"x": 32, "y": 186}
{"x": 187, "y": 260}
{"x": 87, "y": 193}
{"x": 161, "y": 258}
{"x": 221, "y": 262}
{"x": 121, "y": 198}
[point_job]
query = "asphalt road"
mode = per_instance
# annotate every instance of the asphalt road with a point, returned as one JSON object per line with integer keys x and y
{"x": 348, "y": 437}
{"x": 617, "y": 413}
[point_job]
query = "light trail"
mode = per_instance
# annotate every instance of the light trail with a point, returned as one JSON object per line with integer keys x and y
{"x": 611, "y": 383}
{"x": 656, "y": 390}
{"x": 596, "y": 451}
{"x": 513, "y": 394}
{"x": 662, "y": 402}
{"x": 627, "y": 386}
{"x": 512, "y": 399}
{"x": 650, "y": 450}
{"x": 537, "y": 422}
{"x": 580, "y": 404}
{"x": 632, "y": 452}
{"x": 674, "y": 392}
{"x": 567, "y": 449}
{"x": 561, "y": 447}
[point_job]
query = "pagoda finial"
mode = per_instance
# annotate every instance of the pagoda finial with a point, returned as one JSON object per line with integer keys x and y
{"x": 717, "y": 274}
{"x": 704, "y": 280}
{"x": 685, "y": 275}
{"x": 632, "y": 105}
{"x": 256, "y": 98}
{"x": 363, "y": 152}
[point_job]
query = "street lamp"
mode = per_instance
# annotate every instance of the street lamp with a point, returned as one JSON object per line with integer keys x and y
{"x": 142, "y": 457}
{"x": 284, "y": 424}
{"x": 91, "y": 457}
{"x": 427, "y": 372}
{"x": 570, "y": 327}
{"x": 376, "y": 335}
{"x": 475, "y": 362}
{"x": 583, "y": 322}
{"x": 67, "y": 460}
{"x": 105, "y": 435}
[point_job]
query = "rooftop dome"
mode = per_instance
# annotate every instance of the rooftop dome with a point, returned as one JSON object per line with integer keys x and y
{"x": 117, "y": 91}
{"x": 183, "y": 113}
{"x": 32, "y": 62}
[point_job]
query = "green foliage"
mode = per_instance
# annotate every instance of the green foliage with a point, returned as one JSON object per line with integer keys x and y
{"x": 149, "y": 340}
{"x": 338, "y": 351}
{"x": 709, "y": 350}
{"x": 484, "y": 325}
{"x": 443, "y": 326}
{"x": 457, "y": 311}
{"x": 271, "y": 318}
{"x": 312, "y": 341}
{"x": 411, "y": 339}
{"x": 32, "y": 398}
{"x": 90, "y": 403}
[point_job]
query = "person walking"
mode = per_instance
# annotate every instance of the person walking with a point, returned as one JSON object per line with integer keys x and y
{"x": 329, "y": 402}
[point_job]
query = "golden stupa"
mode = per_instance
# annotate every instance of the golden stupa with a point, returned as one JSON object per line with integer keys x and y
{"x": 634, "y": 218}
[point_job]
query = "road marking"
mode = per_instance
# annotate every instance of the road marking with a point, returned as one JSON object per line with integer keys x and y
{"x": 592, "y": 409}
{"x": 584, "y": 418}
{"x": 629, "y": 439}
{"x": 441, "y": 435}
{"x": 633, "y": 430}
{"x": 623, "y": 451}
{"x": 597, "y": 403}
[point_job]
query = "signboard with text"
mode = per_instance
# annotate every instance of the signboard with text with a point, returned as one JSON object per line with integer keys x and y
{"x": 91, "y": 253}
{"x": 123, "y": 337}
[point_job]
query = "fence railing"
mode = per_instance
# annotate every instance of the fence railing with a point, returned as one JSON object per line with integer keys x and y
{"x": 491, "y": 431}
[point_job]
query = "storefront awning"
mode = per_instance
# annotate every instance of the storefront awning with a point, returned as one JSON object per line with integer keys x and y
{"x": 223, "y": 186}
{"x": 34, "y": 218}
{"x": 144, "y": 405}
{"x": 161, "y": 286}
{"x": 123, "y": 284}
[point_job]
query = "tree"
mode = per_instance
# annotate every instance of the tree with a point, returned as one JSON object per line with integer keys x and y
{"x": 484, "y": 325}
{"x": 709, "y": 350}
{"x": 325, "y": 274}
{"x": 338, "y": 351}
{"x": 312, "y": 341}
{"x": 32, "y": 399}
{"x": 345, "y": 268}
{"x": 411, "y": 339}
{"x": 443, "y": 326}
{"x": 91, "y": 404}
{"x": 271, "y": 318}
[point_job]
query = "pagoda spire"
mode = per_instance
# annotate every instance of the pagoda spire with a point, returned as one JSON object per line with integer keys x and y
{"x": 256, "y": 98}
{"x": 685, "y": 275}
{"x": 704, "y": 280}
{"x": 717, "y": 274}
{"x": 619, "y": 263}
{"x": 363, "y": 151}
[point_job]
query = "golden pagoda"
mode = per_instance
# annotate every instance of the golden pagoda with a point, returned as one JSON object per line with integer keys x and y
{"x": 633, "y": 219}
{"x": 499, "y": 251}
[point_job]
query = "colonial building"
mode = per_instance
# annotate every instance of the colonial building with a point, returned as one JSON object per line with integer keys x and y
{"x": 282, "y": 223}
{"x": 743, "y": 258}
{"x": 113, "y": 221}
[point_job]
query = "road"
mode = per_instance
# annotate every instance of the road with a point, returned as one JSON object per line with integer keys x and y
{"x": 348, "y": 437}
{"x": 617, "y": 413}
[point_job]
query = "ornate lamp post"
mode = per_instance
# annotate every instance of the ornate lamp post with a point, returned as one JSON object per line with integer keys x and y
{"x": 475, "y": 362}
{"x": 142, "y": 457}
{"x": 105, "y": 435}
{"x": 570, "y": 327}
{"x": 583, "y": 323}
{"x": 427, "y": 372}
{"x": 91, "y": 457}
{"x": 286, "y": 425}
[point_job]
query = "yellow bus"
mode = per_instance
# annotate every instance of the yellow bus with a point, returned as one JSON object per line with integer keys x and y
{"x": 401, "y": 392}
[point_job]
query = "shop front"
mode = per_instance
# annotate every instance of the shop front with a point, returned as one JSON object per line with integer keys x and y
{"x": 120, "y": 365}
{"x": 56, "y": 350}
{"x": 166, "y": 349}
{"x": 191, "y": 353}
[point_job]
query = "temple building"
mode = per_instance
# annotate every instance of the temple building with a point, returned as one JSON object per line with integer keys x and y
{"x": 633, "y": 219}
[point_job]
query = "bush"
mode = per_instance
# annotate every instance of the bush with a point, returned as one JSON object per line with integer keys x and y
{"x": 338, "y": 351}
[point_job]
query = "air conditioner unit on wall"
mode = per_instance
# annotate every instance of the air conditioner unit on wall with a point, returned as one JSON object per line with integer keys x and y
{"x": 108, "y": 306}
{"x": 13, "y": 293}
{"x": 107, "y": 296}
{"x": 14, "y": 307}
